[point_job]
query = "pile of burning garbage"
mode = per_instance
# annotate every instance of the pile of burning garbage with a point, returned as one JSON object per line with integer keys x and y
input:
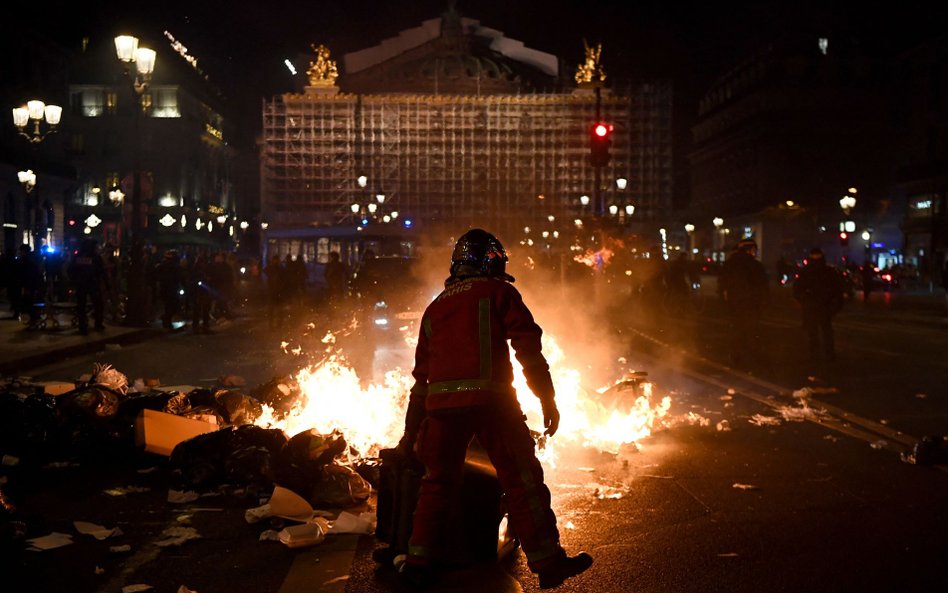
{"x": 207, "y": 434}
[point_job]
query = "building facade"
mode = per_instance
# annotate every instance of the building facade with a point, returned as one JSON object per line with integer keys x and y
{"x": 922, "y": 173}
{"x": 782, "y": 137}
{"x": 169, "y": 143}
{"x": 452, "y": 125}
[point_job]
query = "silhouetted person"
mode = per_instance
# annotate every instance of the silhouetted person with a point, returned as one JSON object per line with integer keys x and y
{"x": 867, "y": 274}
{"x": 820, "y": 291}
{"x": 944, "y": 280}
{"x": 169, "y": 286}
{"x": 275, "y": 291}
{"x": 220, "y": 280}
{"x": 28, "y": 282}
{"x": 87, "y": 274}
{"x": 743, "y": 287}
{"x": 336, "y": 276}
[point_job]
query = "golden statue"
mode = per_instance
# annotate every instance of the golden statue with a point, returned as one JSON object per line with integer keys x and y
{"x": 323, "y": 71}
{"x": 591, "y": 70}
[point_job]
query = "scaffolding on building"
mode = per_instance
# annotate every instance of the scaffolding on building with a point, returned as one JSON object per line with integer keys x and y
{"x": 499, "y": 161}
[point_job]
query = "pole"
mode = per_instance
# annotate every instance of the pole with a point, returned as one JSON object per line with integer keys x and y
{"x": 135, "y": 314}
{"x": 597, "y": 178}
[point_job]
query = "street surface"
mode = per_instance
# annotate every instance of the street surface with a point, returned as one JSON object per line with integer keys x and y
{"x": 744, "y": 489}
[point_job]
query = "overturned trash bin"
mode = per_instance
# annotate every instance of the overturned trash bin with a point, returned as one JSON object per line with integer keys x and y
{"x": 482, "y": 534}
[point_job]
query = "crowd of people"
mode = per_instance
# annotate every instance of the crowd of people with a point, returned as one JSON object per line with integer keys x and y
{"x": 192, "y": 284}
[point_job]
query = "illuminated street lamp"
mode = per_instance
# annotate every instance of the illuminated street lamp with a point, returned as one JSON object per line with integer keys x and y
{"x": 622, "y": 183}
{"x": 584, "y": 200}
{"x": 27, "y": 178}
{"x": 847, "y": 203}
{"x": 37, "y": 112}
{"x": 690, "y": 229}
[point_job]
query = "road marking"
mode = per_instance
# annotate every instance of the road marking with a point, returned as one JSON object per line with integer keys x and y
{"x": 840, "y": 420}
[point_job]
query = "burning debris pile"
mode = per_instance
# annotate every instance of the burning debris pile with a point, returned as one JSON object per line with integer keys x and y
{"x": 317, "y": 433}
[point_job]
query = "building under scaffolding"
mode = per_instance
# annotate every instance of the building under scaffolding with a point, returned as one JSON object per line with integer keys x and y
{"x": 453, "y": 125}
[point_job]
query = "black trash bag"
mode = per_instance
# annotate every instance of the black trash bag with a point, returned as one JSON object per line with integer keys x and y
{"x": 95, "y": 401}
{"x": 177, "y": 404}
{"x": 238, "y": 408}
{"x": 89, "y": 425}
{"x": 339, "y": 486}
{"x": 370, "y": 470}
{"x": 202, "y": 397}
{"x": 931, "y": 450}
{"x": 298, "y": 466}
{"x": 279, "y": 393}
{"x": 133, "y": 405}
{"x": 208, "y": 460}
{"x": 209, "y": 414}
{"x": 12, "y": 523}
{"x": 27, "y": 423}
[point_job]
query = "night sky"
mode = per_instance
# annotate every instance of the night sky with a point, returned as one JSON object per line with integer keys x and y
{"x": 242, "y": 44}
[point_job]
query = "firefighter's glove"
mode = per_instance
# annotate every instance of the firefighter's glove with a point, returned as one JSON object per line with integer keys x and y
{"x": 551, "y": 417}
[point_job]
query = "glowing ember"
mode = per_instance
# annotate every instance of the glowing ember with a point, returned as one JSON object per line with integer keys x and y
{"x": 372, "y": 417}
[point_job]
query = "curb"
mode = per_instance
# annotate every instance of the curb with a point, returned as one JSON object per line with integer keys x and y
{"x": 17, "y": 366}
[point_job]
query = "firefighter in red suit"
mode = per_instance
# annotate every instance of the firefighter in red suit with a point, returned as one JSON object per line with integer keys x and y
{"x": 464, "y": 388}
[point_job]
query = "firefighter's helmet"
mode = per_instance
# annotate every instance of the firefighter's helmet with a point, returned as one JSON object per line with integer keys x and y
{"x": 479, "y": 253}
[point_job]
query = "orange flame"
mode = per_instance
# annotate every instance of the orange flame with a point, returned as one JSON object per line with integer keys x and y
{"x": 595, "y": 259}
{"x": 372, "y": 417}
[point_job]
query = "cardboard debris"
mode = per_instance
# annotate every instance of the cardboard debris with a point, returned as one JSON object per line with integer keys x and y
{"x": 289, "y": 505}
{"x": 97, "y": 531}
{"x": 56, "y": 387}
{"x": 160, "y": 432}
{"x": 49, "y": 542}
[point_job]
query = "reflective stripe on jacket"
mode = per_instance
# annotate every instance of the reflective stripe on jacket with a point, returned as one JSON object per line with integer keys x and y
{"x": 462, "y": 358}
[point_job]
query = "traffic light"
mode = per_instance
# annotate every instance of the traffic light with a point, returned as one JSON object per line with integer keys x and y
{"x": 843, "y": 239}
{"x": 600, "y": 138}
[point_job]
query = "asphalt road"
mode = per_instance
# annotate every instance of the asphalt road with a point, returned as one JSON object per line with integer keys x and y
{"x": 821, "y": 501}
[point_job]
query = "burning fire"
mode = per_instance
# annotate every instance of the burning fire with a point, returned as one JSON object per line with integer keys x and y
{"x": 595, "y": 259}
{"x": 373, "y": 417}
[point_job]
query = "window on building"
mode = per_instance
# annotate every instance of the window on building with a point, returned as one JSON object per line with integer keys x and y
{"x": 322, "y": 250}
{"x": 165, "y": 103}
{"x": 89, "y": 102}
{"x": 111, "y": 181}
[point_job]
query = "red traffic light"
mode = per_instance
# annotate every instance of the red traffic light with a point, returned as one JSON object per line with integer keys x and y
{"x": 602, "y": 130}
{"x": 843, "y": 236}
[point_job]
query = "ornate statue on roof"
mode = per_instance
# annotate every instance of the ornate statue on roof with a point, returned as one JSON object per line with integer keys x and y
{"x": 323, "y": 71}
{"x": 591, "y": 70}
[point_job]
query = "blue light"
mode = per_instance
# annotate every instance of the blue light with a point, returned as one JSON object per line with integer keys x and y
{"x": 407, "y": 223}
{"x": 365, "y": 221}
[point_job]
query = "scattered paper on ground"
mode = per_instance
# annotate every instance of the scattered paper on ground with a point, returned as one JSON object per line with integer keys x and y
{"x": 49, "y": 542}
{"x": 120, "y": 549}
{"x": 136, "y": 588}
{"x": 723, "y": 426}
{"x": 739, "y": 486}
{"x": 289, "y": 505}
{"x": 880, "y": 444}
{"x": 97, "y": 531}
{"x": 175, "y": 536}
{"x": 307, "y": 534}
{"x": 178, "y": 497}
{"x": 363, "y": 523}
{"x": 126, "y": 490}
{"x": 761, "y": 420}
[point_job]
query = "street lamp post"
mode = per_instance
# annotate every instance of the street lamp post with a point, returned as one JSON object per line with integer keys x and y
{"x": 143, "y": 59}
{"x": 690, "y": 230}
{"x": 37, "y": 112}
{"x": 45, "y": 119}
